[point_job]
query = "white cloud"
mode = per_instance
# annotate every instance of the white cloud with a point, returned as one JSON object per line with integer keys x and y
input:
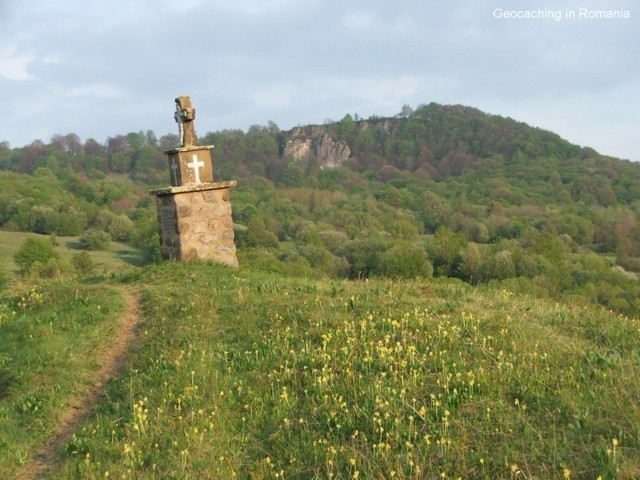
{"x": 13, "y": 66}
{"x": 248, "y": 61}
{"x": 358, "y": 20}
{"x": 100, "y": 90}
{"x": 275, "y": 96}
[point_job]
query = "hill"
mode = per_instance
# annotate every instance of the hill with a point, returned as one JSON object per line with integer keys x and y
{"x": 443, "y": 190}
{"x": 248, "y": 374}
{"x": 443, "y": 293}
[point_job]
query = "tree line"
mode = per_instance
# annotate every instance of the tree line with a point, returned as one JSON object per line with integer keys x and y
{"x": 437, "y": 190}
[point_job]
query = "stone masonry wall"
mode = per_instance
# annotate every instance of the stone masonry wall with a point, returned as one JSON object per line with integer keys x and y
{"x": 197, "y": 224}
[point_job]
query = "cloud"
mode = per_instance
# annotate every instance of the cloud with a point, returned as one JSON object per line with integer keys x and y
{"x": 248, "y": 61}
{"x": 13, "y": 66}
{"x": 99, "y": 90}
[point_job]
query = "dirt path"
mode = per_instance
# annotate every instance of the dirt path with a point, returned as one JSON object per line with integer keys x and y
{"x": 49, "y": 456}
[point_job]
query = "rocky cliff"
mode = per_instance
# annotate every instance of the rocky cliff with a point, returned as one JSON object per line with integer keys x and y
{"x": 313, "y": 140}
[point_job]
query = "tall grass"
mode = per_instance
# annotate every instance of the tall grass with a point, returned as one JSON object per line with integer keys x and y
{"x": 49, "y": 335}
{"x": 264, "y": 376}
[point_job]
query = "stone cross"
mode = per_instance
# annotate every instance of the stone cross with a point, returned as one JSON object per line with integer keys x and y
{"x": 196, "y": 164}
{"x": 174, "y": 173}
{"x": 184, "y": 117}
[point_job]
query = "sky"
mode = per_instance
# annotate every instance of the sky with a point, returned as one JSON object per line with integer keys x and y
{"x": 99, "y": 68}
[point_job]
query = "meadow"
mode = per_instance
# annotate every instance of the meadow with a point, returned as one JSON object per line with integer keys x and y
{"x": 50, "y": 335}
{"x": 253, "y": 375}
{"x": 118, "y": 257}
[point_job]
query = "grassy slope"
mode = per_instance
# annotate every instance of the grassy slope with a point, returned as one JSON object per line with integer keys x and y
{"x": 48, "y": 338}
{"x": 249, "y": 374}
{"x": 117, "y": 258}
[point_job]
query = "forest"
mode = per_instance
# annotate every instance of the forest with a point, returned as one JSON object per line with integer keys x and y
{"x": 439, "y": 190}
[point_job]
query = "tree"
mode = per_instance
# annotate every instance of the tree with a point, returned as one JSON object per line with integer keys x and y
{"x": 259, "y": 236}
{"x": 404, "y": 260}
{"x": 94, "y": 239}
{"x": 120, "y": 227}
{"x": 445, "y": 248}
{"x": 406, "y": 111}
{"x": 34, "y": 250}
{"x": 471, "y": 262}
{"x": 82, "y": 263}
{"x": 293, "y": 175}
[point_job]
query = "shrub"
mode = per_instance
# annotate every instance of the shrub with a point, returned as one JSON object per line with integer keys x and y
{"x": 501, "y": 266}
{"x": 82, "y": 263}
{"x": 94, "y": 239}
{"x": 120, "y": 228}
{"x": 55, "y": 268}
{"x": 34, "y": 250}
{"x": 259, "y": 236}
{"x": 444, "y": 249}
{"x": 404, "y": 261}
{"x": 363, "y": 256}
{"x": 333, "y": 240}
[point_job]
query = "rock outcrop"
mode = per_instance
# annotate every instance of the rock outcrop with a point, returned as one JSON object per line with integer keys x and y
{"x": 314, "y": 140}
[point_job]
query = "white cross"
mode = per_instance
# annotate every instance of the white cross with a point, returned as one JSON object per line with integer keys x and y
{"x": 174, "y": 168}
{"x": 196, "y": 164}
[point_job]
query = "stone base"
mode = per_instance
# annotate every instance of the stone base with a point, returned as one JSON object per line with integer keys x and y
{"x": 195, "y": 222}
{"x": 190, "y": 165}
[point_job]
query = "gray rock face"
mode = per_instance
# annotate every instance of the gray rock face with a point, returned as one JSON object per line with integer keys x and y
{"x": 313, "y": 140}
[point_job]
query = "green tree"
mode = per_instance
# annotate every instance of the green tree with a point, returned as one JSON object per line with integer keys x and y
{"x": 94, "y": 239}
{"x": 120, "y": 227}
{"x": 82, "y": 263}
{"x": 34, "y": 250}
{"x": 293, "y": 175}
{"x": 471, "y": 263}
{"x": 404, "y": 260}
{"x": 363, "y": 255}
{"x": 445, "y": 248}
{"x": 259, "y": 236}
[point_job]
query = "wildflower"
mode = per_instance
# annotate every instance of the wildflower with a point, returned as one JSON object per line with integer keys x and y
{"x": 566, "y": 473}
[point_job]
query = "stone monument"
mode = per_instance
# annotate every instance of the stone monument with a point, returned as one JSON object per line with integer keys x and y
{"x": 194, "y": 213}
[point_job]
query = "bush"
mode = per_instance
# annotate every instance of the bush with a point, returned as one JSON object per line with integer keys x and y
{"x": 404, "y": 261}
{"x": 333, "y": 240}
{"x": 54, "y": 268}
{"x": 94, "y": 239}
{"x": 82, "y": 263}
{"x": 34, "y": 250}
{"x": 259, "y": 236}
{"x": 444, "y": 248}
{"x": 363, "y": 256}
{"x": 120, "y": 228}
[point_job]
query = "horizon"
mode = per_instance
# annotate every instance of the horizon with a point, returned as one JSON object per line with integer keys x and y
{"x": 68, "y": 66}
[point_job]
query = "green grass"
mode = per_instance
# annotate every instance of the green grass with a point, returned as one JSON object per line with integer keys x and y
{"x": 49, "y": 334}
{"x": 264, "y": 376}
{"x": 118, "y": 258}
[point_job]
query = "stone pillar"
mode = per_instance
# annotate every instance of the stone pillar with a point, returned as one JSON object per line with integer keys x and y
{"x": 195, "y": 222}
{"x": 194, "y": 213}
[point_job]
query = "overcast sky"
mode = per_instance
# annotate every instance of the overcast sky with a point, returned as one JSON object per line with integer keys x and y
{"x": 101, "y": 68}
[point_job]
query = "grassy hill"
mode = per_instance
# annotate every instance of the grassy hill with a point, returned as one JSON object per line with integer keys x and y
{"x": 118, "y": 257}
{"x": 249, "y": 374}
{"x": 333, "y": 353}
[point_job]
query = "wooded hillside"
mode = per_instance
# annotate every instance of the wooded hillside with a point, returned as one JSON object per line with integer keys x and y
{"x": 442, "y": 190}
